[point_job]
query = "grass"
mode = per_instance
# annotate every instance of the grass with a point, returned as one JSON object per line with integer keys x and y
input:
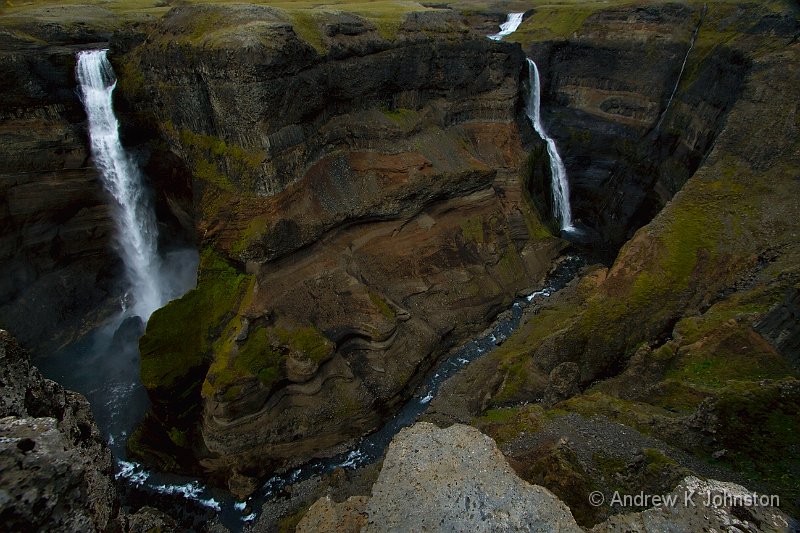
{"x": 304, "y": 15}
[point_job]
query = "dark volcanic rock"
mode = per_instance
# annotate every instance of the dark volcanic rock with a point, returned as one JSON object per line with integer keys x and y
{"x": 56, "y": 264}
{"x": 363, "y": 196}
{"x": 627, "y": 146}
{"x": 55, "y": 469}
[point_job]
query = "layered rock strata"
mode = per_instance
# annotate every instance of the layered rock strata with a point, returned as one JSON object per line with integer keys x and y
{"x": 361, "y": 211}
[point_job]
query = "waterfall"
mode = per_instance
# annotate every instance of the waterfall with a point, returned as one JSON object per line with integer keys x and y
{"x": 508, "y": 27}
{"x": 683, "y": 67}
{"x": 559, "y": 185}
{"x": 136, "y": 231}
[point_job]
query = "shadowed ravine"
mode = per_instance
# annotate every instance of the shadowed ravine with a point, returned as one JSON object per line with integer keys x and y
{"x": 273, "y": 242}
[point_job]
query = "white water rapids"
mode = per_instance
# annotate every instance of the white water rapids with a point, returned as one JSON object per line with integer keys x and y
{"x": 559, "y": 183}
{"x": 508, "y": 27}
{"x": 137, "y": 234}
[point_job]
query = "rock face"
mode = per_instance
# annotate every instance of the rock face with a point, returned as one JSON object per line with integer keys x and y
{"x": 452, "y": 479}
{"x": 56, "y": 265}
{"x": 55, "y": 469}
{"x": 628, "y": 146}
{"x": 687, "y": 338}
{"x": 456, "y": 479}
{"x": 362, "y": 210}
{"x": 59, "y": 273}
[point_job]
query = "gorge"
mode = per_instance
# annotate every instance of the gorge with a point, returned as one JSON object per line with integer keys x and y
{"x": 369, "y": 187}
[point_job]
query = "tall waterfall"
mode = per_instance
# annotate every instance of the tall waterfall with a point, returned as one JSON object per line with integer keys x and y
{"x": 559, "y": 185}
{"x": 508, "y": 27}
{"x": 137, "y": 234}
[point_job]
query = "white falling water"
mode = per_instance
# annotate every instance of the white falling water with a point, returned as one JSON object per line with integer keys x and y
{"x": 680, "y": 75}
{"x": 137, "y": 234}
{"x": 508, "y": 27}
{"x": 559, "y": 185}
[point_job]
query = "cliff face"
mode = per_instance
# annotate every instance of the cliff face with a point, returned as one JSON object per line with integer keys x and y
{"x": 56, "y": 265}
{"x": 59, "y": 272}
{"x": 628, "y": 144}
{"x": 361, "y": 210}
{"x": 682, "y": 349}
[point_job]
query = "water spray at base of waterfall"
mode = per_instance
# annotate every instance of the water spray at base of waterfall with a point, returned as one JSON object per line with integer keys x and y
{"x": 103, "y": 364}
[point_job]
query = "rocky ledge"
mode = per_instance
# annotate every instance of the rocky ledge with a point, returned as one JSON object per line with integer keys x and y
{"x": 56, "y": 472}
{"x": 456, "y": 479}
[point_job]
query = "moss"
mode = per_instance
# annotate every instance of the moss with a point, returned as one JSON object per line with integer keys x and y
{"x": 179, "y": 336}
{"x": 505, "y": 424}
{"x": 638, "y": 415}
{"x": 405, "y": 118}
{"x": 255, "y": 229}
{"x": 514, "y": 355}
{"x": 472, "y": 229}
{"x": 759, "y": 426}
{"x": 307, "y": 27}
{"x": 559, "y": 469}
{"x": 382, "y": 306}
{"x": 677, "y": 396}
{"x": 510, "y": 267}
{"x": 178, "y": 437}
{"x": 262, "y": 355}
{"x": 227, "y": 166}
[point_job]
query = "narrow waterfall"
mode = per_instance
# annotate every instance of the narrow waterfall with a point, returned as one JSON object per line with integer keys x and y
{"x": 559, "y": 185}
{"x": 508, "y": 27}
{"x": 137, "y": 234}
{"x": 683, "y": 67}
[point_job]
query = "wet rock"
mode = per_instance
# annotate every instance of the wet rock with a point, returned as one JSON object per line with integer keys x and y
{"x": 127, "y": 334}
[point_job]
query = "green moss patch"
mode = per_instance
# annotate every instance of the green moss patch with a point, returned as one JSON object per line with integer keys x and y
{"x": 262, "y": 356}
{"x": 224, "y": 165}
{"x": 179, "y": 336}
{"x": 382, "y": 306}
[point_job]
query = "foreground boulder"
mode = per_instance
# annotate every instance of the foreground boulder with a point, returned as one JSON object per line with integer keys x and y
{"x": 452, "y": 479}
{"x": 55, "y": 469}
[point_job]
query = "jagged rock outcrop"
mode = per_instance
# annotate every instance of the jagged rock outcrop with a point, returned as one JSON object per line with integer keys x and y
{"x": 361, "y": 209}
{"x": 56, "y": 472}
{"x": 452, "y": 479}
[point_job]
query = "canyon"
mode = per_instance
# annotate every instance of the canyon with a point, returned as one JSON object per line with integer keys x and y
{"x": 367, "y": 193}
